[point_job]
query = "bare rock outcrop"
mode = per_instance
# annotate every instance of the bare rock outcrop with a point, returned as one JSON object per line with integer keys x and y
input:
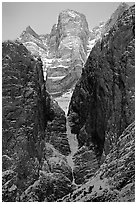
{"x": 64, "y": 51}
{"x": 102, "y": 104}
{"x": 68, "y": 43}
{"x": 115, "y": 180}
{"x": 30, "y": 121}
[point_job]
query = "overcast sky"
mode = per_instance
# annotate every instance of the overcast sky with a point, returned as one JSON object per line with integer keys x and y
{"x": 41, "y": 16}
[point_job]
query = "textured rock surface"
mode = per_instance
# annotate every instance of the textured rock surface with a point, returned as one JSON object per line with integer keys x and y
{"x": 56, "y": 128}
{"x": 114, "y": 17}
{"x": 54, "y": 180}
{"x": 30, "y": 121}
{"x": 69, "y": 40}
{"x": 102, "y": 103}
{"x": 103, "y": 28}
{"x": 115, "y": 180}
{"x": 33, "y": 42}
{"x": 23, "y": 122}
{"x": 36, "y": 44}
{"x": 63, "y": 51}
{"x": 42, "y": 160}
{"x": 85, "y": 164}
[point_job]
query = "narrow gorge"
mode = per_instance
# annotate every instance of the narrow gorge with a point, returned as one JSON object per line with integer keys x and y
{"x": 73, "y": 143}
{"x": 68, "y": 111}
{"x": 63, "y": 102}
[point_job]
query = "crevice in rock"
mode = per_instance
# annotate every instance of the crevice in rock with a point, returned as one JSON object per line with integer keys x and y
{"x": 73, "y": 143}
{"x": 63, "y": 102}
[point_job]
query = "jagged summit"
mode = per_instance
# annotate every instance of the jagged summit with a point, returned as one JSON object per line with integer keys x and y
{"x": 71, "y": 13}
{"x": 74, "y": 15}
{"x": 68, "y": 42}
{"x": 123, "y": 5}
{"x": 103, "y": 28}
{"x": 31, "y": 31}
{"x": 121, "y": 8}
{"x": 117, "y": 13}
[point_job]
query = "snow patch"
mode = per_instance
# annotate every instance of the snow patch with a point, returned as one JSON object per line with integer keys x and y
{"x": 72, "y": 14}
{"x": 56, "y": 78}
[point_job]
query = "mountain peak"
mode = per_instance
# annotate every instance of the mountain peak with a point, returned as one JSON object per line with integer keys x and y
{"x": 71, "y": 13}
{"x": 28, "y": 28}
{"x": 123, "y": 4}
{"x": 68, "y": 11}
{"x": 114, "y": 17}
{"x": 30, "y": 31}
{"x": 121, "y": 8}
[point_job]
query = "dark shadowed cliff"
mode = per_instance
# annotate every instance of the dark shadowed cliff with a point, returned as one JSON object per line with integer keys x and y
{"x": 35, "y": 142}
{"x": 115, "y": 180}
{"x": 89, "y": 155}
{"x": 102, "y": 104}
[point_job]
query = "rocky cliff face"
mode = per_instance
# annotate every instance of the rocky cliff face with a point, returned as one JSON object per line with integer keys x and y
{"x": 42, "y": 160}
{"x": 36, "y": 44}
{"x": 114, "y": 17}
{"x": 115, "y": 180}
{"x": 63, "y": 51}
{"x": 35, "y": 142}
{"x": 33, "y": 42}
{"x": 102, "y": 104}
{"x": 68, "y": 42}
{"x": 103, "y": 28}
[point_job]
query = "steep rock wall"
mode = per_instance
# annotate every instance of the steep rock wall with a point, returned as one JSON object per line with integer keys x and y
{"x": 34, "y": 131}
{"x": 67, "y": 42}
{"x": 63, "y": 51}
{"x": 115, "y": 180}
{"x": 102, "y": 104}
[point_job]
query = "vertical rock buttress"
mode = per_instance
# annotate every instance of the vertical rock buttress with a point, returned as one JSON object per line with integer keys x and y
{"x": 35, "y": 143}
{"x": 102, "y": 103}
